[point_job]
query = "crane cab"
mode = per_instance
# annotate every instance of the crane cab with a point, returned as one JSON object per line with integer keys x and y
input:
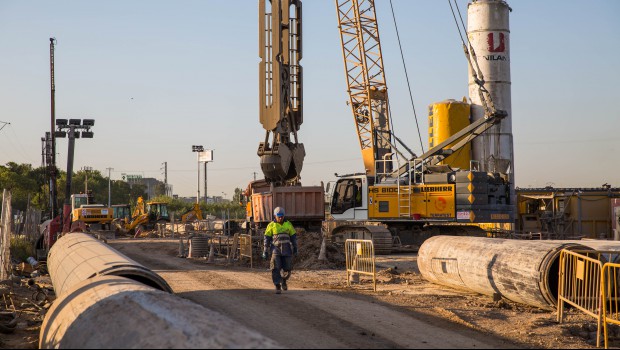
{"x": 349, "y": 198}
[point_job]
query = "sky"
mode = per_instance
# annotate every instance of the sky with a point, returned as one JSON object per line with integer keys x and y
{"x": 161, "y": 76}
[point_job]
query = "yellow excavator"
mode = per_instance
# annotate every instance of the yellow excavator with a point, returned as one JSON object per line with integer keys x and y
{"x": 145, "y": 216}
{"x": 406, "y": 196}
{"x": 194, "y": 214}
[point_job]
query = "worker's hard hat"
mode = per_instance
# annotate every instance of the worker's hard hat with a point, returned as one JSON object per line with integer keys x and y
{"x": 279, "y": 212}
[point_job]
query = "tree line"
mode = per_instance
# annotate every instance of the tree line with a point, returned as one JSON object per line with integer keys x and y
{"x": 29, "y": 187}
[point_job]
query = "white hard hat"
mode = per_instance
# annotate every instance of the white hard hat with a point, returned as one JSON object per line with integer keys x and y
{"x": 279, "y": 211}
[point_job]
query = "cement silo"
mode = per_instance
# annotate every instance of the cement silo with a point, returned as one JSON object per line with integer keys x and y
{"x": 489, "y": 35}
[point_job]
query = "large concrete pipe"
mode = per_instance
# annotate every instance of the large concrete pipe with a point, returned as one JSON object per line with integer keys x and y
{"x": 521, "y": 271}
{"x": 110, "y": 312}
{"x": 77, "y": 256}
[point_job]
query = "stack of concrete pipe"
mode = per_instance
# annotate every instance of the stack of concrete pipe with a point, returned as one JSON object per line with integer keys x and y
{"x": 106, "y": 300}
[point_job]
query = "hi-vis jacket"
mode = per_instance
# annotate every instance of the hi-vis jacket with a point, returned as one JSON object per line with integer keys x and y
{"x": 281, "y": 238}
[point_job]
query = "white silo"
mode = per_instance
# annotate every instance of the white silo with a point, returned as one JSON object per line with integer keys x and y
{"x": 489, "y": 33}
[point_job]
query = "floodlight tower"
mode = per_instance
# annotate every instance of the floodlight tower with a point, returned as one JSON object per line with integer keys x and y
{"x": 73, "y": 126}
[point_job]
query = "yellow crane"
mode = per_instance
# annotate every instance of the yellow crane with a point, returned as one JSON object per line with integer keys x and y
{"x": 366, "y": 84}
{"x": 398, "y": 195}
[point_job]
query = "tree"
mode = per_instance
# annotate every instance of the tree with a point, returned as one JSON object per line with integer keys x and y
{"x": 238, "y": 196}
{"x": 26, "y": 184}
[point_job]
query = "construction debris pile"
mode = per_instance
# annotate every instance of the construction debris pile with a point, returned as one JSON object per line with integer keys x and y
{"x": 310, "y": 248}
{"x": 26, "y": 297}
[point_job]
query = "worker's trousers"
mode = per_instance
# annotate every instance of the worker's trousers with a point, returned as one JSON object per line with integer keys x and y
{"x": 279, "y": 262}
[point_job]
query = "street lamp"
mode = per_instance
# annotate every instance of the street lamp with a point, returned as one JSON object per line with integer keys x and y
{"x": 198, "y": 150}
{"x": 109, "y": 187}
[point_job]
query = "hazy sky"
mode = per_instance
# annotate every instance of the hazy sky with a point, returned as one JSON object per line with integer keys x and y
{"x": 161, "y": 76}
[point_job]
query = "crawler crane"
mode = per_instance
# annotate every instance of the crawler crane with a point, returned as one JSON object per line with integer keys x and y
{"x": 398, "y": 196}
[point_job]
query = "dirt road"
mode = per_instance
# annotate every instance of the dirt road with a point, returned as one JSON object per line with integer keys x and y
{"x": 304, "y": 316}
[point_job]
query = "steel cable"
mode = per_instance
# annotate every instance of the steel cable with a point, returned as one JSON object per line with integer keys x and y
{"x": 407, "y": 76}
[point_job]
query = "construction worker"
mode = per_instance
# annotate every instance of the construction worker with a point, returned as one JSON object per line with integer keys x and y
{"x": 281, "y": 240}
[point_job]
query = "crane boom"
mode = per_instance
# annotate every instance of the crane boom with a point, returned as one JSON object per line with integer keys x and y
{"x": 280, "y": 88}
{"x": 366, "y": 84}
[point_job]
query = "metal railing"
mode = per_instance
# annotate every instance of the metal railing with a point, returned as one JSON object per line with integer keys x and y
{"x": 360, "y": 260}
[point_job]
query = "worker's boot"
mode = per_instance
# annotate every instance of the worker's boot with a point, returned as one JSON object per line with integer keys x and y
{"x": 278, "y": 289}
{"x": 284, "y": 286}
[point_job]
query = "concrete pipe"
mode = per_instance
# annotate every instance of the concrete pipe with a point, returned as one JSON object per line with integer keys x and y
{"x": 522, "y": 271}
{"x": 110, "y": 312}
{"x": 76, "y": 257}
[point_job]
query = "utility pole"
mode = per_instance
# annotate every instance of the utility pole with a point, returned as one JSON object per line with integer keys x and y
{"x": 254, "y": 175}
{"x": 206, "y": 201}
{"x": 43, "y": 153}
{"x": 198, "y": 149}
{"x": 207, "y": 157}
{"x": 87, "y": 171}
{"x": 109, "y": 187}
{"x": 165, "y": 164}
{"x": 51, "y": 166}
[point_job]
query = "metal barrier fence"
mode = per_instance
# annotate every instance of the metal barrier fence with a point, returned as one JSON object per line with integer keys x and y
{"x": 360, "y": 259}
{"x": 611, "y": 297}
{"x": 580, "y": 282}
{"x": 588, "y": 281}
{"x": 245, "y": 248}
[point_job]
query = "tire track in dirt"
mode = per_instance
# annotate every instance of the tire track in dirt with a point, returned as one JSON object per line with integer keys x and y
{"x": 300, "y": 318}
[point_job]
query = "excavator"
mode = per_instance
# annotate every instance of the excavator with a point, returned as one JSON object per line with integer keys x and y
{"x": 281, "y": 115}
{"x": 400, "y": 197}
{"x": 195, "y": 213}
{"x": 145, "y": 216}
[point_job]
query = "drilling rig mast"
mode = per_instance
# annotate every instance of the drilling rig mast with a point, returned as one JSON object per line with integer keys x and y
{"x": 280, "y": 88}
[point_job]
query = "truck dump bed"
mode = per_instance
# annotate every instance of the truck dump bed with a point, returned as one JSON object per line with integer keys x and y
{"x": 301, "y": 203}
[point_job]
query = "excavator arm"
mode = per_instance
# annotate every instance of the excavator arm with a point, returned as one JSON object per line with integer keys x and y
{"x": 193, "y": 214}
{"x": 280, "y": 88}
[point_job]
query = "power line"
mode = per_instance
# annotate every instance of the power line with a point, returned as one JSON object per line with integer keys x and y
{"x": 5, "y": 124}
